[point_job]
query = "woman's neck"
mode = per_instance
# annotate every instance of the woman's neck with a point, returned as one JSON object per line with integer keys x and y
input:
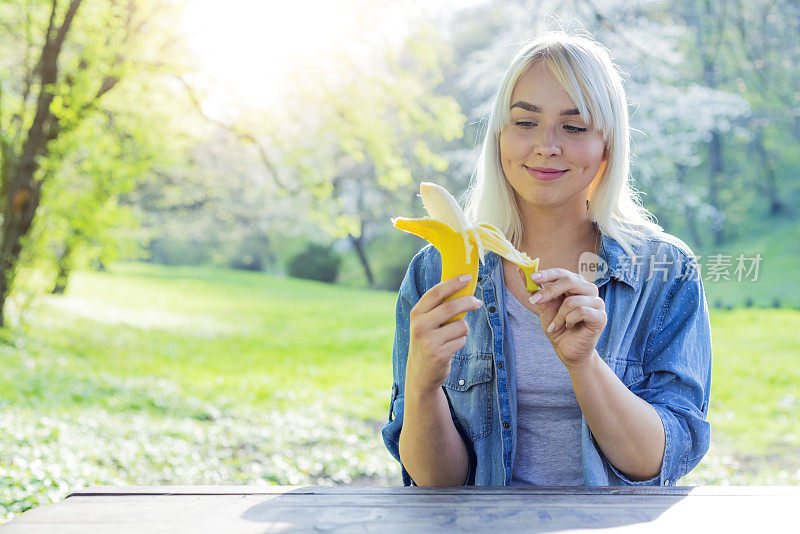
{"x": 558, "y": 236}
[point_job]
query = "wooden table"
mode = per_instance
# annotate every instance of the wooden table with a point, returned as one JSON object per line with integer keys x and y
{"x": 224, "y": 509}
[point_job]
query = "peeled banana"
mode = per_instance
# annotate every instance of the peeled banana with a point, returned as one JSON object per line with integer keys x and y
{"x": 461, "y": 244}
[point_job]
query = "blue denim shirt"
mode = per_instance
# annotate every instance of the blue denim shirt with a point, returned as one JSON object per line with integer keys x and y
{"x": 657, "y": 341}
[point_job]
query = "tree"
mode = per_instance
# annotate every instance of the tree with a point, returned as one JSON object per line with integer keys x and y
{"x": 376, "y": 124}
{"x": 20, "y": 164}
{"x": 762, "y": 53}
{"x": 221, "y": 206}
{"x": 84, "y": 215}
{"x": 70, "y": 62}
{"x": 750, "y": 49}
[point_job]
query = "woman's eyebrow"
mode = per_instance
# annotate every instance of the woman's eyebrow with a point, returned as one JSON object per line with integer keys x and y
{"x": 537, "y": 109}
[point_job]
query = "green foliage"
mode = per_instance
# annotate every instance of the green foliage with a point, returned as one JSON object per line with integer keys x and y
{"x": 751, "y": 51}
{"x": 81, "y": 215}
{"x": 315, "y": 262}
{"x": 100, "y": 138}
{"x": 357, "y": 161}
{"x": 252, "y": 254}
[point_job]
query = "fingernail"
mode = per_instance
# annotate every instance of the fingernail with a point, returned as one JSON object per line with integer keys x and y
{"x": 536, "y": 276}
{"x": 535, "y": 298}
{"x": 464, "y": 278}
{"x": 551, "y": 327}
{"x": 478, "y": 302}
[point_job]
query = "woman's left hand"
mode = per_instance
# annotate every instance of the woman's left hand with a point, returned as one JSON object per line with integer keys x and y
{"x": 572, "y": 312}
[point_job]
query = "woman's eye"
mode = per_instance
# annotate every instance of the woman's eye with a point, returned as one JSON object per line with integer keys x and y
{"x": 527, "y": 125}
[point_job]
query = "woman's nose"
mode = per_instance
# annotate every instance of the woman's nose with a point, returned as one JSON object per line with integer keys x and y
{"x": 546, "y": 144}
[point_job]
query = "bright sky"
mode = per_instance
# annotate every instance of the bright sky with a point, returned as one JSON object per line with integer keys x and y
{"x": 245, "y": 47}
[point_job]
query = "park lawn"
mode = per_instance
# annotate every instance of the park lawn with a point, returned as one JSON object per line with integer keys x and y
{"x": 152, "y": 375}
{"x": 227, "y": 337}
{"x": 756, "y": 378}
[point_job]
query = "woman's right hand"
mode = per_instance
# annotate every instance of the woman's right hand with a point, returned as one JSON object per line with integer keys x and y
{"x": 431, "y": 341}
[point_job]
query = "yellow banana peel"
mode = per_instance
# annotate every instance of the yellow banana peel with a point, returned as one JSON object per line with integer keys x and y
{"x": 461, "y": 245}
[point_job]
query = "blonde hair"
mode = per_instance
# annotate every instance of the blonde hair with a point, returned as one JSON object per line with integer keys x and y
{"x": 584, "y": 69}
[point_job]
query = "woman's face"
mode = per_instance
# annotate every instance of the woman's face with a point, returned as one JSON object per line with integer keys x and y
{"x": 546, "y": 132}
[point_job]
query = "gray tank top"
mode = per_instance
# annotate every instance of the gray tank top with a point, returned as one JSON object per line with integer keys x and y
{"x": 548, "y": 414}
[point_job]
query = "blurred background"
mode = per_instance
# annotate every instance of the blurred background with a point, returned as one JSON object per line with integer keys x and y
{"x": 197, "y": 269}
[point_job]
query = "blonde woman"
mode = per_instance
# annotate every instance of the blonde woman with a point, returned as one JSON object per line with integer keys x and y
{"x": 603, "y": 376}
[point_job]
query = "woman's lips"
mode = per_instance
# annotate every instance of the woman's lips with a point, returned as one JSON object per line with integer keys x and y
{"x": 545, "y": 176}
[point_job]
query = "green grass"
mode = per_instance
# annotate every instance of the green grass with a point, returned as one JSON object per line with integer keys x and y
{"x": 756, "y": 379}
{"x": 250, "y": 378}
{"x": 755, "y": 399}
{"x": 155, "y": 375}
{"x": 216, "y": 334}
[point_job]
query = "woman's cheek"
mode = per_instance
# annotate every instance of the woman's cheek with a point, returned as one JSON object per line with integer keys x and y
{"x": 512, "y": 145}
{"x": 594, "y": 148}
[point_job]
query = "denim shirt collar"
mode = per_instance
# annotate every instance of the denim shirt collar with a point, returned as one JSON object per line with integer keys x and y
{"x": 619, "y": 265}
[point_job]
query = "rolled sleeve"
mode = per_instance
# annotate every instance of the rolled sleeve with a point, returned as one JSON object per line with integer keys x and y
{"x": 671, "y": 461}
{"x": 391, "y": 433}
{"x": 676, "y": 378}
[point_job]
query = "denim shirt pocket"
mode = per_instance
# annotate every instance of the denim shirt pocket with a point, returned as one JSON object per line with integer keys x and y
{"x": 469, "y": 388}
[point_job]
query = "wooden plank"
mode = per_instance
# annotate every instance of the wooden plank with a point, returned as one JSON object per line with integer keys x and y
{"x": 400, "y": 490}
{"x": 428, "y": 500}
{"x": 415, "y": 510}
{"x": 424, "y": 501}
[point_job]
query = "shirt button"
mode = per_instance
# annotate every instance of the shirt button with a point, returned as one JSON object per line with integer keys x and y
{"x": 492, "y": 309}
{"x": 462, "y": 382}
{"x": 499, "y": 365}
{"x": 506, "y": 425}
{"x": 480, "y": 278}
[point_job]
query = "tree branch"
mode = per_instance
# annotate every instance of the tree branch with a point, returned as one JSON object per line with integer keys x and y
{"x": 36, "y": 143}
{"x": 244, "y": 136}
{"x": 48, "y": 35}
{"x": 65, "y": 26}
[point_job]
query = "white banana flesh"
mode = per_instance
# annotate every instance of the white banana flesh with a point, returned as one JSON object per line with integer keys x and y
{"x": 441, "y": 205}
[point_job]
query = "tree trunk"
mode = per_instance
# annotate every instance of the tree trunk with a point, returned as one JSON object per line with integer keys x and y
{"x": 690, "y": 213}
{"x": 358, "y": 244}
{"x": 691, "y": 220}
{"x": 22, "y": 200}
{"x": 697, "y": 17}
{"x": 64, "y": 270}
{"x": 796, "y": 127}
{"x": 22, "y": 190}
{"x": 776, "y": 207}
{"x": 714, "y": 172}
